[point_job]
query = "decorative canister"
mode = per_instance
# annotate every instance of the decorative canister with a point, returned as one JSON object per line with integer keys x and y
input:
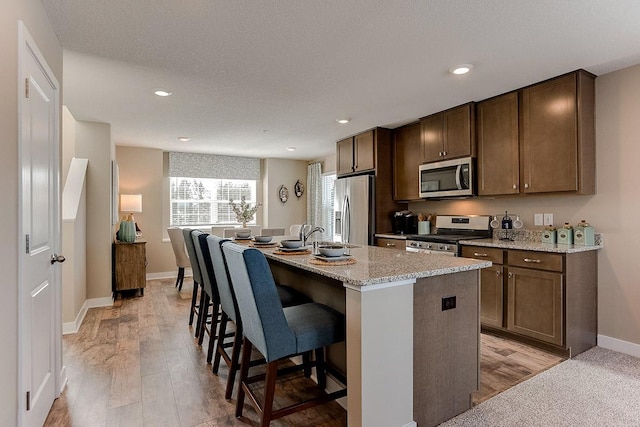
{"x": 584, "y": 234}
{"x": 565, "y": 234}
{"x": 127, "y": 231}
{"x": 549, "y": 234}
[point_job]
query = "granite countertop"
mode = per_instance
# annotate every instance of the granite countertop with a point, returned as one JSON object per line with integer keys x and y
{"x": 392, "y": 236}
{"x": 376, "y": 265}
{"x": 530, "y": 245}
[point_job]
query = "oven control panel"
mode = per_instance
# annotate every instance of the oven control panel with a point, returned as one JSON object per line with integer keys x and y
{"x": 431, "y": 247}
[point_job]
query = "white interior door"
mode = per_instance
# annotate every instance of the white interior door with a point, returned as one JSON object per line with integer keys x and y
{"x": 39, "y": 300}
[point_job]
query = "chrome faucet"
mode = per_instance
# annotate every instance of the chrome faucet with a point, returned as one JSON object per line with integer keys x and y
{"x": 307, "y": 235}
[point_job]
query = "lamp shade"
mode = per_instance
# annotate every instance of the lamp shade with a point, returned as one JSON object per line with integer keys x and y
{"x": 131, "y": 203}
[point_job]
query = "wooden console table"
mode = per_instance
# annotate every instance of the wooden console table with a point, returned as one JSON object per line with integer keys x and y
{"x": 129, "y": 266}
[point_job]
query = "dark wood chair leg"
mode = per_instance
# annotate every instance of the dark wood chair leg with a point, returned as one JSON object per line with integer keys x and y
{"x": 180, "y": 278}
{"x": 220, "y": 344}
{"x": 194, "y": 300}
{"x": 320, "y": 369}
{"x": 306, "y": 363}
{"x": 269, "y": 393}
{"x": 203, "y": 313}
{"x": 212, "y": 335}
{"x": 244, "y": 373}
{"x": 235, "y": 355}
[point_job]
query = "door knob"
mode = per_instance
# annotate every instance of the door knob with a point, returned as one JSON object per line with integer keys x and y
{"x": 57, "y": 258}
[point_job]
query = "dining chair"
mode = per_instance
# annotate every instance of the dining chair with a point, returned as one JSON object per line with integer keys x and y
{"x": 197, "y": 277}
{"x": 294, "y": 230}
{"x": 180, "y": 252}
{"x": 272, "y": 232}
{"x": 288, "y": 297}
{"x": 277, "y": 333}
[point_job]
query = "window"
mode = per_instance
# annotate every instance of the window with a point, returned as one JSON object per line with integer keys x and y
{"x": 328, "y": 195}
{"x": 205, "y": 201}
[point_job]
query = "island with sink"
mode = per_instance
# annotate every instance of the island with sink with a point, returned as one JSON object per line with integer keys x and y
{"x": 411, "y": 355}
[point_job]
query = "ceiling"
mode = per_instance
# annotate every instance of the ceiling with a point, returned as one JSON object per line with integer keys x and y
{"x": 251, "y": 78}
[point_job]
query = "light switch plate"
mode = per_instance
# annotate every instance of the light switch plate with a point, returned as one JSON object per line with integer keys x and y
{"x": 548, "y": 219}
{"x": 538, "y": 219}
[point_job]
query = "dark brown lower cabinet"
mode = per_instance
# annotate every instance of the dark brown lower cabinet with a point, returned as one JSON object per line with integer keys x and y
{"x": 548, "y": 300}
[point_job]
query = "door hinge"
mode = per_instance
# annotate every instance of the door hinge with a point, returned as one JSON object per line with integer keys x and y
{"x": 28, "y": 401}
{"x": 27, "y": 242}
{"x": 26, "y": 87}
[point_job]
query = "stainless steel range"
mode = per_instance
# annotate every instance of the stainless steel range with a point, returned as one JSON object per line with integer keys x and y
{"x": 450, "y": 229}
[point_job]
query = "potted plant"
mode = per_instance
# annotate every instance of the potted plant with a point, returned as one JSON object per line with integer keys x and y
{"x": 244, "y": 212}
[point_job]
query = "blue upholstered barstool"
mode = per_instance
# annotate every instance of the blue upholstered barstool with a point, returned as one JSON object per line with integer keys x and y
{"x": 277, "y": 333}
{"x": 197, "y": 277}
{"x": 288, "y": 297}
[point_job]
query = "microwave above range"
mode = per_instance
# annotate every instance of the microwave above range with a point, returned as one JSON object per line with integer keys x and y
{"x": 451, "y": 178}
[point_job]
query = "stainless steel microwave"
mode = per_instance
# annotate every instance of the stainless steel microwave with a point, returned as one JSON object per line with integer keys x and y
{"x": 451, "y": 178}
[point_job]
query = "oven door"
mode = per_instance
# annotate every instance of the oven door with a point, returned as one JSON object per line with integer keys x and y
{"x": 451, "y": 178}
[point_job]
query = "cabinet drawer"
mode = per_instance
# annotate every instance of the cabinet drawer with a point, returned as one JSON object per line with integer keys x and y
{"x": 391, "y": 243}
{"x": 494, "y": 255}
{"x": 537, "y": 260}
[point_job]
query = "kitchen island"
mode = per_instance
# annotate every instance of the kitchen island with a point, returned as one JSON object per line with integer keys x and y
{"x": 412, "y": 320}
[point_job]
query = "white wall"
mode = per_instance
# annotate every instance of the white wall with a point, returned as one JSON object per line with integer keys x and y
{"x": 613, "y": 211}
{"x": 277, "y": 172}
{"x": 32, "y": 14}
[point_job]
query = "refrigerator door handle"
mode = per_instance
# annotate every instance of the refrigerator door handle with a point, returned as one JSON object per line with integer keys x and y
{"x": 346, "y": 221}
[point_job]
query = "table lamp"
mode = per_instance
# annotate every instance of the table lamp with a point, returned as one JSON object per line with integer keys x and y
{"x": 131, "y": 203}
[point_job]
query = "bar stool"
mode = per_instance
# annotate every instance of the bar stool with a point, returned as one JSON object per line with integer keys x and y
{"x": 288, "y": 297}
{"x": 207, "y": 322}
{"x": 182, "y": 259}
{"x": 277, "y": 333}
{"x": 197, "y": 276}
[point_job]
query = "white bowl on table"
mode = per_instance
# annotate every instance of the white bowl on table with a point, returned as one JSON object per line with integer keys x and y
{"x": 291, "y": 244}
{"x": 243, "y": 234}
{"x": 262, "y": 239}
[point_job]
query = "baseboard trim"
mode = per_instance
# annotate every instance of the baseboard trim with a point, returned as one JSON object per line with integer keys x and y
{"x": 618, "y": 345}
{"x": 73, "y": 327}
{"x": 167, "y": 274}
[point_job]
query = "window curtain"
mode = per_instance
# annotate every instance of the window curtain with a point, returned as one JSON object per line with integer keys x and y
{"x": 196, "y": 165}
{"x": 314, "y": 194}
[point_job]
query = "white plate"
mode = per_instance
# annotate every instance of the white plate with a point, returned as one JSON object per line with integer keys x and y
{"x": 262, "y": 243}
{"x": 242, "y": 239}
{"x": 303, "y": 248}
{"x": 332, "y": 258}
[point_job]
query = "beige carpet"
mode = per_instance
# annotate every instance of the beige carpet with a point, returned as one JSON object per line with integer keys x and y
{"x": 599, "y": 387}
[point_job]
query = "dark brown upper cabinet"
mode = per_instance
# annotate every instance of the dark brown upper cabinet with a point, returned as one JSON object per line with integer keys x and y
{"x": 407, "y": 149}
{"x": 449, "y": 134}
{"x": 356, "y": 154}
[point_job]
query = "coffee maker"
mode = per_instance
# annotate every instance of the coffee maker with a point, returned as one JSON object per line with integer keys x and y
{"x": 405, "y": 222}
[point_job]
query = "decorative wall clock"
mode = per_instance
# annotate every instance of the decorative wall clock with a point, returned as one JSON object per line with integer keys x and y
{"x": 298, "y": 189}
{"x": 283, "y": 194}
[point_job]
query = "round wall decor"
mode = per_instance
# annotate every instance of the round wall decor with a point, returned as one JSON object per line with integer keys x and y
{"x": 283, "y": 194}
{"x": 298, "y": 189}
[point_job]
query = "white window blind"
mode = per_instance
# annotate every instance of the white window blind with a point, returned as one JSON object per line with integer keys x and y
{"x": 328, "y": 197}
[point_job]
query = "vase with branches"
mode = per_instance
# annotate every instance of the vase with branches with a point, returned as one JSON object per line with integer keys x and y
{"x": 244, "y": 211}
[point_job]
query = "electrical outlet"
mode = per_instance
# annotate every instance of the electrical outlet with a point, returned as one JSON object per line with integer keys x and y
{"x": 448, "y": 303}
{"x": 538, "y": 219}
{"x": 548, "y": 219}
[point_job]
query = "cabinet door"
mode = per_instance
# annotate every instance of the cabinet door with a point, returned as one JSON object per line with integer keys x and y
{"x": 431, "y": 129}
{"x": 130, "y": 266}
{"x": 406, "y": 157}
{"x": 549, "y": 157}
{"x": 391, "y": 243}
{"x": 365, "y": 152}
{"x": 492, "y": 296}
{"x": 344, "y": 154}
{"x": 498, "y": 154}
{"x": 456, "y": 133}
{"x": 535, "y": 304}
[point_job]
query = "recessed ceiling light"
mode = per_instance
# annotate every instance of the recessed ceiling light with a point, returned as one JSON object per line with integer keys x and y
{"x": 184, "y": 139}
{"x": 291, "y": 148}
{"x": 162, "y": 92}
{"x": 343, "y": 121}
{"x": 460, "y": 69}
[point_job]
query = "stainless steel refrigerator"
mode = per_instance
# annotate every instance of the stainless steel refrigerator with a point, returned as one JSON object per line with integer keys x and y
{"x": 354, "y": 210}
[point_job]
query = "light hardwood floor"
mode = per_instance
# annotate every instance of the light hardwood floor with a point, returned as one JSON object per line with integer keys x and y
{"x": 137, "y": 364}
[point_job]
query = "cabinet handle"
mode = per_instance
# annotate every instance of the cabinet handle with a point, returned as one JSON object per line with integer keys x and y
{"x": 391, "y": 244}
{"x": 510, "y": 275}
{"x": 497, "y": 272}
{"x": 535, "y": 261}
{"x": 444, "y": 153}
{"x": 479, "y": 254}
{"x": 526, "y": 185}
{"x": 515, "y": 186}
{"x": 440, "y": 154}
